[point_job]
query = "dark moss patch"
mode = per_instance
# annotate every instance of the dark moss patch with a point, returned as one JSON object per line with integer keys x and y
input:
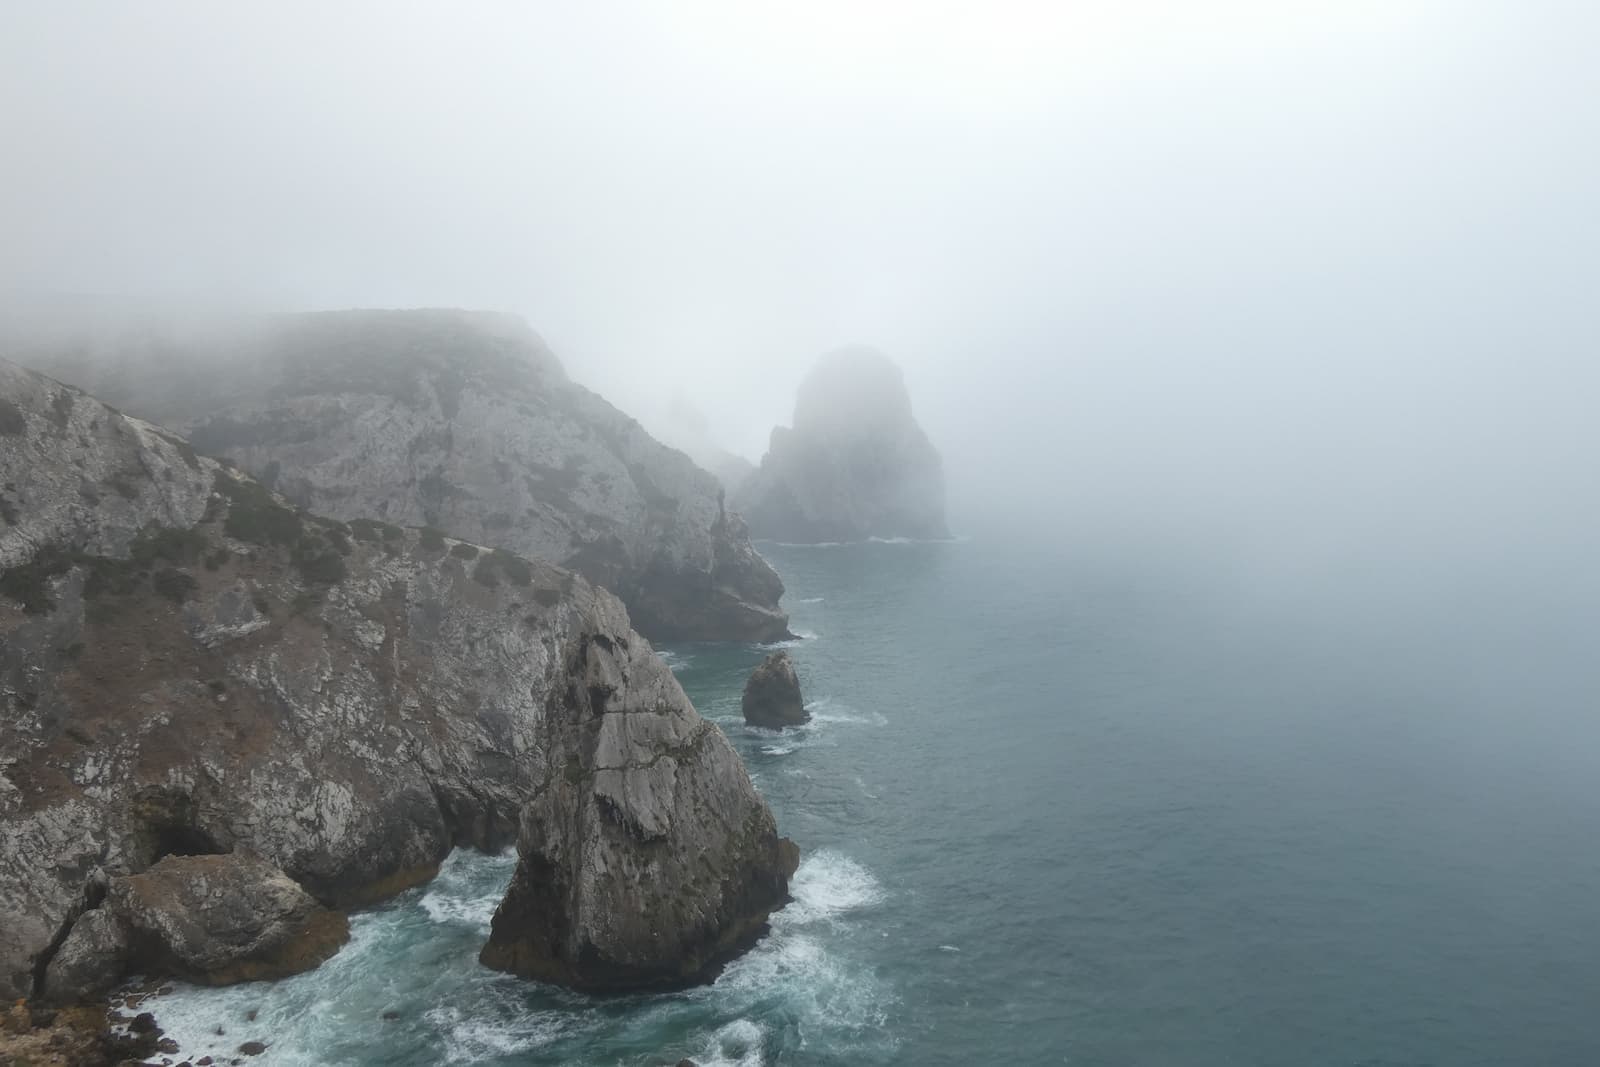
{"x": 255, "y": 516}
{"x": 336, "y": 537}
{"x": 126, "y": 483}
{"x": 29, "y": 584}
{"x": 547, "y": 596}
{"x": 61, "y": 408}
{"x": 262, "y": 605}
{"x": 8, "y": 512}
{"x": 502, "y": 564}
{"x": 430, "y": 539}
{"x": 111, "y": 578}
{"x": 12, "y": 424}
{"x": 464, "y": 551}
{"x": 167, "y": 543}
{"x": 177, "y": 586}
{"x": 318, "y": 562}
{"x": 216, "y": 558}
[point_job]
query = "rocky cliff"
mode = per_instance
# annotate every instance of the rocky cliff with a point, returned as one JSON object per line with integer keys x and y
{"x": 460, "y": 421}
{"x": 855, "y": 464}
{"x": 188, "y": 666}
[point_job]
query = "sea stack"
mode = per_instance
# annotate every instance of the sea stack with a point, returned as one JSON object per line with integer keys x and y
{"x": 772, "y": 695}
{"x": 855, "y": 464}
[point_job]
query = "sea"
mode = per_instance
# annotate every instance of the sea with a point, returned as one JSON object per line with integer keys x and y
{"x": 1096, "y": 803}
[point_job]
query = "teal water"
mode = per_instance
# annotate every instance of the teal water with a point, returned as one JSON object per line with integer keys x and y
{"x": 1088, "y": 805}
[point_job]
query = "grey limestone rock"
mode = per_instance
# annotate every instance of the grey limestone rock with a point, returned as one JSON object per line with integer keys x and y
{"x": 772, "y": 694}
{"x": 190, "y": 667}
{"x": 223, "y": 919}
{"x": 462, "y": 421}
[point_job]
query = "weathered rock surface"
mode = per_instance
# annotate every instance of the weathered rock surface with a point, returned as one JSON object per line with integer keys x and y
{"x": 217, "y": 920}
{"x": 92, "y": 960}
{"x": 772, "y": 694}
{"x": 211, "y": 919}
{"x": 189, "y": 667}
{"x": 460, "y": 421}
{"x": 855, "y": 464}
{"x": 630, "y": 877}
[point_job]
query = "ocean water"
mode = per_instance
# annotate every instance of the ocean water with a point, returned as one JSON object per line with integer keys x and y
{"x": 1091, "y": 805}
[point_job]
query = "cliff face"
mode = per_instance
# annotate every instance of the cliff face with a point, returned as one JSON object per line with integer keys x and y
{"x": 463, "y": 422}
{"x": 188, "y": 666}
{"x": 854, "y": 465}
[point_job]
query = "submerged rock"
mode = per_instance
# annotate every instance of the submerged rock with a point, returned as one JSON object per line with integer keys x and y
{"x": 461, "y": 421}
{"x": 855, "y": 464}
{"x": 772, "y": 694}
{"x": 189, "y": 667}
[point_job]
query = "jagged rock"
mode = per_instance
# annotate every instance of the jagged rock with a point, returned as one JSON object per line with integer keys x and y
{"x": 189, "y": 667}
{"x": 460, "y": 421}
{"x": 855, "y": 465}
{"x": 217, "y": 920}
{"x": 640, "y": 866}
{"x": 772, "y": 694}
{"x": 92, "y": 960}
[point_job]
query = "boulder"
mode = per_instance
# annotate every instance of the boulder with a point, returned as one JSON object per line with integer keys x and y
{"x": 217, "y": 920}
{"x": 772, "y": 694}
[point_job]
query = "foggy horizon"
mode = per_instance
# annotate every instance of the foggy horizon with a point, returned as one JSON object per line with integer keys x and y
{"x": 1293, "y": 272}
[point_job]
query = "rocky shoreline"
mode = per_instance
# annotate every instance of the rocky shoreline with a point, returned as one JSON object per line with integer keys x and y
{"x": 208, "y": 689}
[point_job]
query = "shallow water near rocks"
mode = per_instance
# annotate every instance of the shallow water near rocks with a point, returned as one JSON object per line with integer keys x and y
{"x": 1082, "y": 805}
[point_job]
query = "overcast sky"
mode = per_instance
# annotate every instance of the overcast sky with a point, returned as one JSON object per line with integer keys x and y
{"x": 1138, "y": 259}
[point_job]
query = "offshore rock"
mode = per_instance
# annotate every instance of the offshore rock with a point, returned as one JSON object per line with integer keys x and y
{"x": 855, "y": 464}
{"x": 642, "y": 865}
{"x": 189, "y": 667}
{"x": 461, "y": 421}
{"x": 772, "y": 694}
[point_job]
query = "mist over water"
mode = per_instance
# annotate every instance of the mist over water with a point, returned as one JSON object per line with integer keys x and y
{"x": 1251, "y": 715}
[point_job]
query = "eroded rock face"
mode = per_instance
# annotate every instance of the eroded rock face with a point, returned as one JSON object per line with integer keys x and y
{"x": 189, "y": 667}
{"x": 855, "y": 464}
{"x": 772, "y": 694}
{"x": 640, "y": 866}
{"x": 460, "y": 421}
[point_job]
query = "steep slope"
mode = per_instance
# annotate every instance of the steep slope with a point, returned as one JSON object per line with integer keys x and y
{"x": 855, "y": 464}
{"x": 189, "y": 666}
{"x": 461, "y": 421}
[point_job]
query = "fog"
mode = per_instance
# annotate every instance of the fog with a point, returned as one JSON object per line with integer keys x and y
{"x": 1309, "y": 281}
